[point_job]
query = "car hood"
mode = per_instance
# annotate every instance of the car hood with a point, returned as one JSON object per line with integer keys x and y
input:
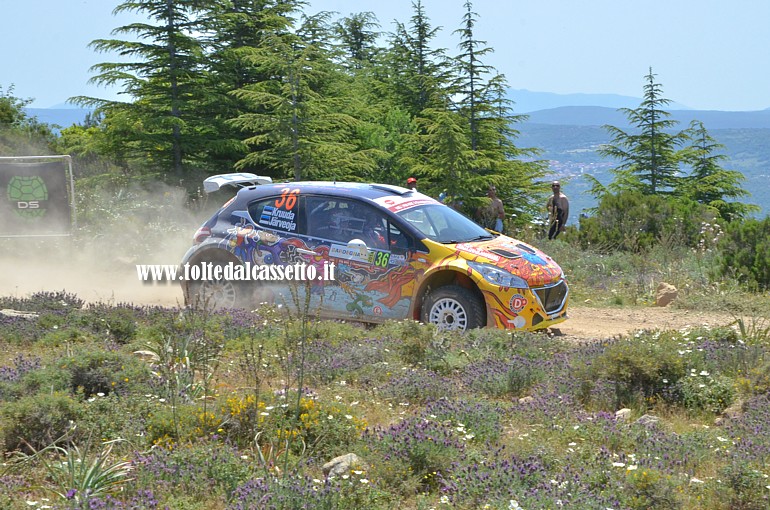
{"x": 517, "y": 257}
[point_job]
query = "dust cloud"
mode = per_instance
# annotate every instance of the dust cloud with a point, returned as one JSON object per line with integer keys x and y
{"x": 98, "y": 262}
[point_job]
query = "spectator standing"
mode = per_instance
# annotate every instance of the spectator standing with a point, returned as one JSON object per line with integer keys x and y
{"x": 558, "y": 211}
{"x": 492, "y": 215}
{"x": 411, "y": 183}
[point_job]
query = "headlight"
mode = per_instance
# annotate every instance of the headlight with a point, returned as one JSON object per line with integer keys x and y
{"x": 497, "y": 276}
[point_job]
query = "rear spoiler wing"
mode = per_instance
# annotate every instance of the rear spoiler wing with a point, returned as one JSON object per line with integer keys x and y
{"x": 238, "y": 180}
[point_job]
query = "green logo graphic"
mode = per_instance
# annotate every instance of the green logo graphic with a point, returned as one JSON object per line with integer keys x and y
{"x": 27, "y": 195}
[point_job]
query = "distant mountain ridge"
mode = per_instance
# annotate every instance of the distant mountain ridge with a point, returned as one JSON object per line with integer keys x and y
{"x": 527, "y": 101}
{"x": 600, "y": 116}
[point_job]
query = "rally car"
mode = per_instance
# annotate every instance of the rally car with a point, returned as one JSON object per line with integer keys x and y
{"x": 395, "y": 254}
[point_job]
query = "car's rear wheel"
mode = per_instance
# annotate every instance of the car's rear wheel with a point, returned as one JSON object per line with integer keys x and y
{"x": 216, "y": 294}
{"x": 453, "y": 308}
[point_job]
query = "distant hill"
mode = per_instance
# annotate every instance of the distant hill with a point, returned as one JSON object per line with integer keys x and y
{"x": 528, "y": 101}
{"x": 599, "y": 116}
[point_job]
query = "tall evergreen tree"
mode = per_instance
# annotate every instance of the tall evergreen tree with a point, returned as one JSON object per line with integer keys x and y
{"x": 165, "y": 81}
{"x": 708, "y": 182}
{"x": 649, "y": 157}
{"x": 471, "y": 83}
{"x": 233, "y": 28}
{"x": 298, "y": 126}
{"x": 358, "y": 39}
{"x": 418, "y": 74}
{"x": 488, "y": 113}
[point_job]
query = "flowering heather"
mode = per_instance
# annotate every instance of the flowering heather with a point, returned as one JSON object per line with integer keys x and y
{"x": 546, "y": 407}
{"x": 205, "y": 470}
{"x": 22, "y": 365}
{"x": 415, "y": 450}
{"x": 439, "y": 420}
{"x": 499, "y": 377}
{"x": 143, "y": 500}
{"x": 43, "y": 302}
{"x": 418, "y": 386}
{"x": 20, "y": 330}
{"x": 326, "y": 361}
{"x": 531, "y": 481}
{"x": 481, "y": 420}
{"x": 306, "y": 493}
{"x": 748, "y": 435}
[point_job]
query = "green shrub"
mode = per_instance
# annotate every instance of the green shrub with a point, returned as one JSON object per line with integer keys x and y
{"x": 118, "y": 322}
{"x": 94, "y": 372}
{"x": 643, "y": 366}
{"x": 706, "y": 393}
{"x": 114, "y": 416}
{"x": 745, "y": 252}
{"x": 47, "y": 379}
{"x": 630, "y": 221}
{"x": 757, "y": 380}
{"x": 168, "y": 425}
{"x": 649, "y": 489}
{"x": 746, "y": 486}
{"x": 416, "y": 343}
{"x": 37, "y": 420}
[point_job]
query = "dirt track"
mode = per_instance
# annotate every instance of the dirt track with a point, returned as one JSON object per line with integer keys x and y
{"x": 122, "y": 285}
{"x": 586, "y": 323}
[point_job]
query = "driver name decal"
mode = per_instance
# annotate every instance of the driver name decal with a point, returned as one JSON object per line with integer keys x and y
{"x": 278, "y": 218}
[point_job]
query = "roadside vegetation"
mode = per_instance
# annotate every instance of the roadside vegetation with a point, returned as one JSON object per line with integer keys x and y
{"x": 117, "y": 406}
{"x": 120, "y": 406}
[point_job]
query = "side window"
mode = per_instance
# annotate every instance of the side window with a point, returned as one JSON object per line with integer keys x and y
{"x": 284, "y": 213}
{"x": 341, "y": 220}
{"x": 399, "y": 241}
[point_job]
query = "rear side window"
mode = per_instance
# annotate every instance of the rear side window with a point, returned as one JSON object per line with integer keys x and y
{"x": 284, "y": 213}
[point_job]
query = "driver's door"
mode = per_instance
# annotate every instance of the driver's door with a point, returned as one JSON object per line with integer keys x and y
{"x": 373, "y": 278}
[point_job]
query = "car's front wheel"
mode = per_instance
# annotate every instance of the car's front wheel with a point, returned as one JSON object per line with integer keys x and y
{"x": 453, "y": 308}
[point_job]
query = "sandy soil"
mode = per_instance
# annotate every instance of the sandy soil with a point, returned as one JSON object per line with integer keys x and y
{"x": 588, "y": 323}
{"x": 91, "y": 281}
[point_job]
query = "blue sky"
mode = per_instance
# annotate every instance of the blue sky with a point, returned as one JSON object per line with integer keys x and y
{"x": 707, "y": 54}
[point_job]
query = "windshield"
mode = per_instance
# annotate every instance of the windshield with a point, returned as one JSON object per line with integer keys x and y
{"x": 443, "y": 224}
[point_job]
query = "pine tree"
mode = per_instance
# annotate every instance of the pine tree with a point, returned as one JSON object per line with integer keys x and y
{"x": 708, "y": 182}
{"x": 488, "y": 113}
{"x": 165, "y": 82}
{"x": 649, "y": 157}
{"x": 419, "y": 76}
{"x": 358, "y": 39}
{"x": 298, "y": 125}
{"x": 233, "y": 29}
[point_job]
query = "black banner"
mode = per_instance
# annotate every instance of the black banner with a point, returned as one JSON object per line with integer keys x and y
{"x": 34, "y": 199}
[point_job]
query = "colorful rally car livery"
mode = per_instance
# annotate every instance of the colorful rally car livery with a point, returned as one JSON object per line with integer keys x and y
{"x": 397, "y": 253}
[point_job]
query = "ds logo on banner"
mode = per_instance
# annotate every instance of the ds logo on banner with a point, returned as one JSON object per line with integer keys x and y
{"x": 26, "y": 194}
{"x": 518, "y": 302}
